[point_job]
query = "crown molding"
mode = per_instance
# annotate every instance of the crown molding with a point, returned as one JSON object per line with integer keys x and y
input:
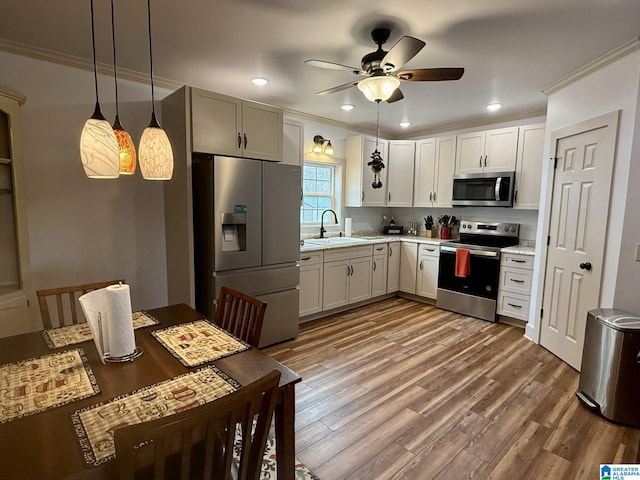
{"x": 597, "y": 64}
{"x": 325, "y": 121}
{"x": 13, "y": 95}
{"x": 83, "y": 64}
{"x": 476, "y": 123}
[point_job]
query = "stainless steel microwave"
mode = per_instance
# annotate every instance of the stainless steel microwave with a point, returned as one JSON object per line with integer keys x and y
{"x": 493, "y": 189}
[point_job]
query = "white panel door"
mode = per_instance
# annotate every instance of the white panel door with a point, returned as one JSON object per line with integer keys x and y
{"x": 470, "y": 152}
{"x": 393, "y": 267}
{"x": 500, "y": 150}
{"x": 400, "y": 175}
{"x": 443, "y": 174}
{"x": 582, "y": 182}
{"x": 379, "y": 276}
{"x": 360, "y": 279}
{"x": 424, "y": 172}
{"x": 408, "y": 266}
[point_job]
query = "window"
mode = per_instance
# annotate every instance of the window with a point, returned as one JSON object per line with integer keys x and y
{"x": 321, "y": 186}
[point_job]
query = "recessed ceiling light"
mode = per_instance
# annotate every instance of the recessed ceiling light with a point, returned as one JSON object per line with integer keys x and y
{"x": 405, "y": 124}
{"x": 492, "y": 107}
{"x": 347, "y": 107}
{"x": 259, "y": 81}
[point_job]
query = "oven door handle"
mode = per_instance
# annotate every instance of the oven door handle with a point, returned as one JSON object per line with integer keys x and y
{"x": 478, "y": 253}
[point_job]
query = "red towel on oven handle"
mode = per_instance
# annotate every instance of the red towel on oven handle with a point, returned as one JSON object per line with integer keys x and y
{"x": 463, "y": 262}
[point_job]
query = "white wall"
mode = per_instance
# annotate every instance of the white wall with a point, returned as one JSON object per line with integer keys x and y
{"x": 83, "y": 230}
{"x": 613, "y": 87}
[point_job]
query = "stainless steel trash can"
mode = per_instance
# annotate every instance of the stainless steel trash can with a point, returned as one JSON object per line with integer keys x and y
{"x": 610, "y": 376}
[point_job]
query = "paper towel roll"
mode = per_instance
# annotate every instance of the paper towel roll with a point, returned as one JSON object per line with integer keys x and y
{"x": 108, "y": 313}
{"x": 122, "y": 339}
{"x": 347, "y": 227}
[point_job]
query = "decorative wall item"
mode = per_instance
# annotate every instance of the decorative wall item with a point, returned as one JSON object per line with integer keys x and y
{"x": 376, "y": 162}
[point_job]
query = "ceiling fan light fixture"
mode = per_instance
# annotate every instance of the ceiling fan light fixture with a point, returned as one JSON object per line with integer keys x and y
{"x": 493, "y": 107}
{"x": 378, "y": 87}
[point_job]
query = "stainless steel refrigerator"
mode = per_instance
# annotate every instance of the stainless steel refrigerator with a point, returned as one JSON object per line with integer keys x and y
{"x": 247, "y": 236}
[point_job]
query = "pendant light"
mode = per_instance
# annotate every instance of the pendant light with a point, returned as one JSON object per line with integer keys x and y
{"x": 99, "y": 150}
{"x": 156, "y": 156}
{"x": 125, "y": 144}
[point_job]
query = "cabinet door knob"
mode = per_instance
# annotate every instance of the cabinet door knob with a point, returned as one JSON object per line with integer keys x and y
{"x": 374, "y": 265}
{"x": 390, "y": 251}
{"x": 480, "y": 162}
{"x": 389, "y": 196}
{"x": 363, "y": 195}
{"x": 434, "y": 196}
{"x": 430, "y": 196}
{"x": 239, "y": 140}
{"x": 245, "y": 141}
{"x": 420, "y": 264}
{"x": 485, "y": 160}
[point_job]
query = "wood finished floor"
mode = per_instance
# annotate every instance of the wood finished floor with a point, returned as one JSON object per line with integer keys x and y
{"x": 403, "y": 390}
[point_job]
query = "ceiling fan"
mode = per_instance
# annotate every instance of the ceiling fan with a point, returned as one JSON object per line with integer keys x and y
{"x": 381, "y": 69}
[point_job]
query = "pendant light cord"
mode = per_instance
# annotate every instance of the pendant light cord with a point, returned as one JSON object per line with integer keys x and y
{"x": 93, "y": 44}
{"x": 153, "y": 103}
{"x": 115, "y": 68}
{"x": 377, "y": 123}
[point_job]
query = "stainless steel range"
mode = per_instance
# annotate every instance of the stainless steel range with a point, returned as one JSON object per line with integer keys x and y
{"x": 473, "y": 291}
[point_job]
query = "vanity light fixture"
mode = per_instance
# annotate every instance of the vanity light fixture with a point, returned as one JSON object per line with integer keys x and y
{"x": 99, "y": 150}
{"x": 259, "y": 81}
{"x": 492, "y": 107}
{"x": 319, "y": 147}
{"x": 156, "y": 155}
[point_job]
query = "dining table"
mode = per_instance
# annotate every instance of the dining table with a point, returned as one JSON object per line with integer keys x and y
{"x": 45, "y": 445}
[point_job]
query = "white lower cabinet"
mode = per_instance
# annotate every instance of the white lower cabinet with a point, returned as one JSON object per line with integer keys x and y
{"x": 379, "y": 270}
{"x": 393, "y": 267}
{"x": 346, "y": 276}
{"x": 311, "y": 273}
{"x": 427, "y": 273}
{"x": 514, "y": 293}
{"x": 408, "y": 266}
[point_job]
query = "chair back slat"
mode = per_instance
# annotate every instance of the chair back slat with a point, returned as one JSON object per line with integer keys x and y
{"x": 240, "y": 314}
{"x": 199, "y": 442}
{"x": 66, "y": 303}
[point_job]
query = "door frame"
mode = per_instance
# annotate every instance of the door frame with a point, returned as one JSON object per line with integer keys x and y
{"x": 611, "y": 119}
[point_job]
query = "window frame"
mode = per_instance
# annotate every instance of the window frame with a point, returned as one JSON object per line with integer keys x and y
{"x": 337, "y": 195}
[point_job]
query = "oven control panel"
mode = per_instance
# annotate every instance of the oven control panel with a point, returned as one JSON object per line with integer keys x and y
{"x": 496, "y": 229}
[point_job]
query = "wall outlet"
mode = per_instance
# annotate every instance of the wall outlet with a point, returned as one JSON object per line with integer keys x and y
{"x": 637, "y": 252}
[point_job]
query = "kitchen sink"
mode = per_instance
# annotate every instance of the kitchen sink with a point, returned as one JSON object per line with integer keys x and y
{"x": 334, "y": 241}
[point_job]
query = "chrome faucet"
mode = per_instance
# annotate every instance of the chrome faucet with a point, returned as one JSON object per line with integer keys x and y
{"x": 322, "y": 230}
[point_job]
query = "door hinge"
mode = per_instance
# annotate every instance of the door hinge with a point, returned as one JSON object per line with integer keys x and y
{"x": 541, "y": 312}
{"x": 548, "y": 240}
{"x": 555, "y": 163}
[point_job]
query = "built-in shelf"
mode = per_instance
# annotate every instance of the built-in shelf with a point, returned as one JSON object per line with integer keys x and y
{"x": 5, "y": 160}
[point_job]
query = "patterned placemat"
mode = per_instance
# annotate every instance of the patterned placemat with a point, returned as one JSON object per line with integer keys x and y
{"x": 72, "y": 334}
{"x": 94, "y": 425}
{"x": 199, "y": 342}
{"x": 38, "y": 384}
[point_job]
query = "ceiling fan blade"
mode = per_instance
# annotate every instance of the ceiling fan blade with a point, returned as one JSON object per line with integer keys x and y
{"x": 334, "y": 66}
{"x": 339, "y": 88}
{"x": 404, "y": 50}
{"x": 395, "y": 96}
{"x": 430, "y": 74}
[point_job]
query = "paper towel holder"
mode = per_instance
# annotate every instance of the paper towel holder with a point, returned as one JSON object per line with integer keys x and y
{"x": 125, "y": 358}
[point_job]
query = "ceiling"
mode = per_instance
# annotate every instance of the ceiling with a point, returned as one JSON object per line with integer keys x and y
{"x": 510, "y": 49}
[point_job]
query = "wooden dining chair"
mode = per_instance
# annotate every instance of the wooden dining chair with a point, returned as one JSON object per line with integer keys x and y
{"x": 240, "y": 314}
{"x": 66, "y": 303}
{"x": 199, "y": 443}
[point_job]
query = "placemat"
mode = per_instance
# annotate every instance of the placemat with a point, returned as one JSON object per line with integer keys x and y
{"x": 38, "y": 384}
{"x": 94, "y": 425}
{"x": 199, "y": 342}
{"x": 72, "y": 334}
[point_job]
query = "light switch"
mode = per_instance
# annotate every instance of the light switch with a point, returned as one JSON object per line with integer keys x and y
{"x": 637, "y": 252}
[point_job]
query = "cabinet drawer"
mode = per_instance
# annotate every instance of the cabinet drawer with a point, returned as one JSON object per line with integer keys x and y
{"x": 336, "y": 254}
{"x": 310, "y": 258}
{"x": 516, "y": 280}
{"x": 513, "y": 305}
{"x": 380, "y": 249}
{"x": 428, "y": 249}
{"x": 518, "y": 261}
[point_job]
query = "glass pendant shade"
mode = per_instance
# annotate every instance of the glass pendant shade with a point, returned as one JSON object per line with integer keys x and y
{"x": 328, "y": 150}
{"x": 127, "y": 149}
{"x": 379, "y": 87}
{"x": 99, "y": 149}
{"x": 156, "y": 155}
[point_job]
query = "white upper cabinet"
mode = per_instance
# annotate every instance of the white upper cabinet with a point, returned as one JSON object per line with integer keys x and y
{"x": 230, "y": 126}
{"x": 359, "y": 189}
{"x": 400, "y": 175}
{"x": 529, "y": 166}
{"x": 292, "y": 142}
{"x": 434, "y": 166}
{"x": 487, "y": 151}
